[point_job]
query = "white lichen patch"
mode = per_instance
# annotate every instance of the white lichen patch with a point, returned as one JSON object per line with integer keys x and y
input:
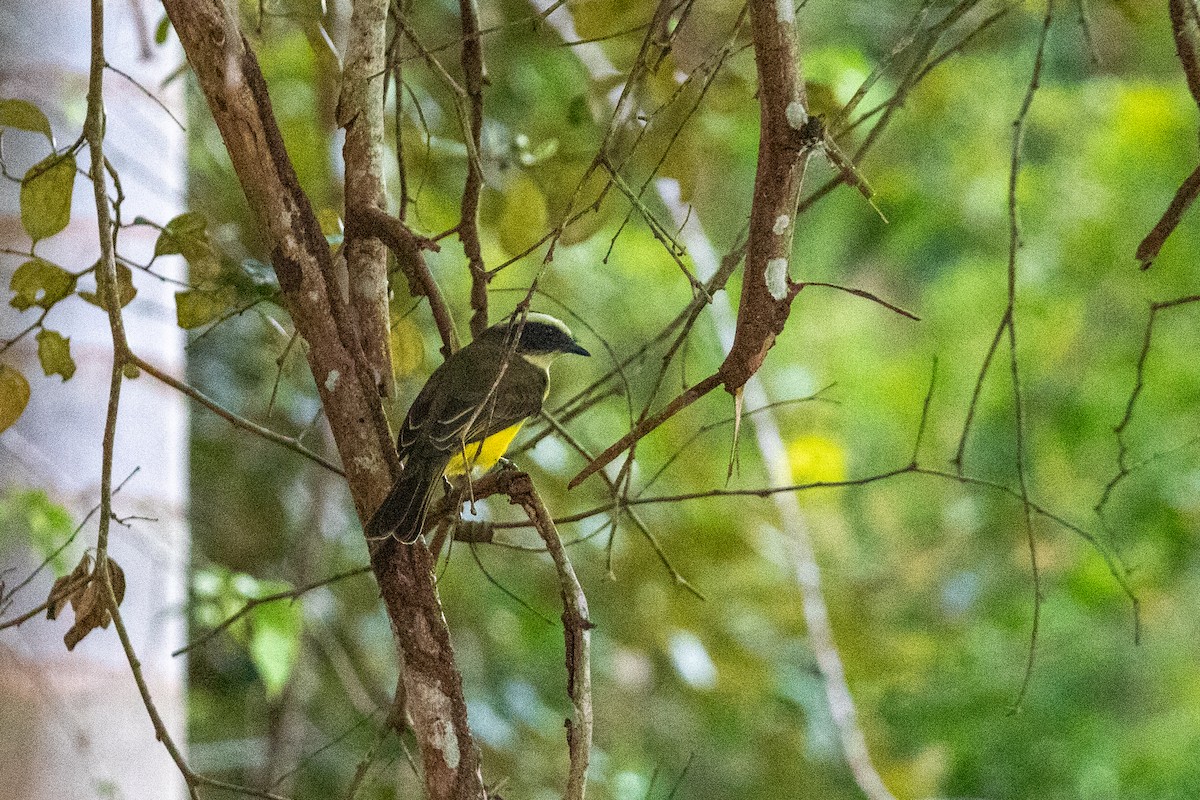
{"x": 785, "y": 12}
{"x": 797, "y": 116}
{"x": 781, "y": 224}
{"x": 331, "y": 380}
{"x": 432, "y": 707}
{"x": 445, "y": 740}
{"x": 313, "y": 297}
{"x": 371, "y": 464}
{"x": 777, "y": 277}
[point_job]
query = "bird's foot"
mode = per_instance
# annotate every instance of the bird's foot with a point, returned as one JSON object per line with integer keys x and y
{"x": 504, "y": 464}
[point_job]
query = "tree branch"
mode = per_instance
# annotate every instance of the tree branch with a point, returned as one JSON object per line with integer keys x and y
{"x": 1185, "y": 25}
{"x": 233, "y": 85}
{"x": 409, "y": 249}
{"x": 576, "y": 628}
{"x": 360, "y": 112}
{"x": 468, "y": 224}
{"x": 782, "y": 157}
{"x": 787, "y": 139}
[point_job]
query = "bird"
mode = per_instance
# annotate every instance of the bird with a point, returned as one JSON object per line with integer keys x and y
{"x": 468, "y": 413}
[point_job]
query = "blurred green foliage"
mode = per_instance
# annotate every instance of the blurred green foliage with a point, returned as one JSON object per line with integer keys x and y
{"x": 927, "y": 579}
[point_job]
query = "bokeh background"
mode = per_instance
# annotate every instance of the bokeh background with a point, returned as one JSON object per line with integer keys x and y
{"x": 928, "y": 580}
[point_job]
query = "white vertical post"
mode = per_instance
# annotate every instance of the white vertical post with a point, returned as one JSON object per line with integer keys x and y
{"x": 73, "y": 724}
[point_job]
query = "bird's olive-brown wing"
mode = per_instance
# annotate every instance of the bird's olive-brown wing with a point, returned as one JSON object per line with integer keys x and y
{"x": 463, "y": 402}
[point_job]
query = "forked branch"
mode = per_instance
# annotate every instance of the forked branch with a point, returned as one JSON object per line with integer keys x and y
{"x": 232, "y": 83}
{"x": 787, "y": 139}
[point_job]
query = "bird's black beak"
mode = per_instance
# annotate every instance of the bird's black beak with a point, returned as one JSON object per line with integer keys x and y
{"x": 576, "y": 349}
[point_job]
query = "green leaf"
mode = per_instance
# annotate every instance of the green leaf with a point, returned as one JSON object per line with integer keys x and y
{"x": 25, "y": 116}
{"x": 275, "y": 642}
{"x": 524, "y": 216}
{"x": 126, "y": 291}
{"x": 164, "y": 27}
{"x": 40, "y": 283}
{"x": 186, "y": 235}
{"x": 31, "y": 515}
{"x": 54, "y": 351}
{"x": 46, "y": 196}
{"x": 197, "y": 307}
{"x": 14, "y": 395}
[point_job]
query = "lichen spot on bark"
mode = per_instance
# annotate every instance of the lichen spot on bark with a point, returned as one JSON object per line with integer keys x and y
{"x": 784, "y": 13}
{"x": 365, "y": 286}
{"x": 331, "y": 380}
{"x": 431, "y": 705}
{"x": 797, "y": 116}
{"x": 781, "y": 224}
{"x": 445, "y": 740}
{"x": 777, "y": 278}
{"x": 369, "y": 463}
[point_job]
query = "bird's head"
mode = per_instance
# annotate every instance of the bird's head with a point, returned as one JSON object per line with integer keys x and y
{"x": 543, "y": 338}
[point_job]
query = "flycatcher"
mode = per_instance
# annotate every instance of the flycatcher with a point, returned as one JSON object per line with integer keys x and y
{"x": 468, "y": 413}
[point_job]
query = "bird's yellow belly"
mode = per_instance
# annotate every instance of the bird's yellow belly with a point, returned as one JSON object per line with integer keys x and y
{"x": 483, "y": 454}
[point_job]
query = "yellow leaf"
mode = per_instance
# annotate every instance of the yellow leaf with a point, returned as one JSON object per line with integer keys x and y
{"x": 816, "y": 459}
{"x": 40, "y": 283}
{"x": 408, "y": 347}
{"x": 23, "y": 115}
{"x": 46, "y": 196}
{"x": 523, "y": 217}
{"x": 54, "y": 351}
{"x": 14, "y": 395}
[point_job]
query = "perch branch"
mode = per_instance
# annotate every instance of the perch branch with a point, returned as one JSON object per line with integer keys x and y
{"x": 409, "y": 249}
{"x": 576, "y": 629}
{"x": 229, "y": 76}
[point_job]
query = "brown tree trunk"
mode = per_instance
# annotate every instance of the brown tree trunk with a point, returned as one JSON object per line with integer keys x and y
{"x": 233, "y": 85}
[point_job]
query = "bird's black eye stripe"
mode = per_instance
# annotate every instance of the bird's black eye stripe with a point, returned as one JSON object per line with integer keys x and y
{"x": 538, "y": 337}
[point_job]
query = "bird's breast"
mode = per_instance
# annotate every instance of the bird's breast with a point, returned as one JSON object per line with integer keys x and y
{"x": 484, "y": 454}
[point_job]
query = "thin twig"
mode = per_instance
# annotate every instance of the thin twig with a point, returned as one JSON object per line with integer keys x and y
{"x": 863, "y": 293}
{"x": 147, "y": 92}
{"x": 618, "y": 497}
{"x": 1014, "y": 242}
{"x": 1150, "y": 246}
{"x": 237, "y": 421}
{"x": 255, "y": 602}
{"x": 682, "y": 401}
{"x": 1123, "y": 466}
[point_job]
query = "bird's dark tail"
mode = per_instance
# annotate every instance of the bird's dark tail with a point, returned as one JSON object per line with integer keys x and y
{"x": 402, "y": 515}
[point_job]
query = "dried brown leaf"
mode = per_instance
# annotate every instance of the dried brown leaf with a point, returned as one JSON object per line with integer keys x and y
{"x": 59, "y": 596}
{"x": 90, "y": 611}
